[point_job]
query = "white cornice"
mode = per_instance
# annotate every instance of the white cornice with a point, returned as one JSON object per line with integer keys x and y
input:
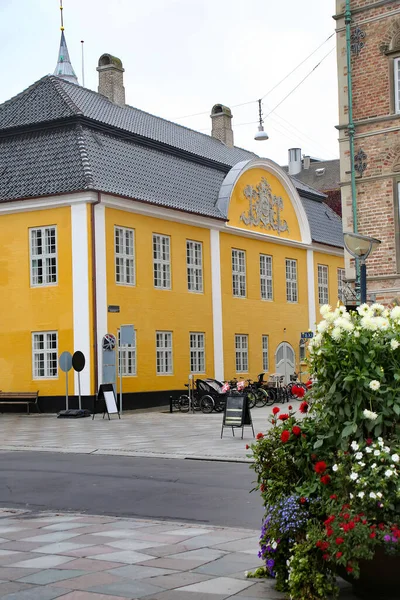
{"x": 19, "y": 206}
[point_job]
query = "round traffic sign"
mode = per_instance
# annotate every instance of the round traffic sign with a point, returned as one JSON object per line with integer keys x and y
{"x": 78, "y": 361}
{"x": 65, "y": 362}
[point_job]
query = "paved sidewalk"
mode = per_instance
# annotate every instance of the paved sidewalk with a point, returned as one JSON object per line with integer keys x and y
{"x": 79, "y": 557}
{"x": 156, "y": 434}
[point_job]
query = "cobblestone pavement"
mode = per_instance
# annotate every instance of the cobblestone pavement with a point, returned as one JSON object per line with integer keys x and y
{"x": 79, "y": 557}
{"x": 156, "y": 434}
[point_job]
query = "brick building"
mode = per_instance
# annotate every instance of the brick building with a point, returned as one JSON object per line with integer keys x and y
{"x": 374, "y": 50}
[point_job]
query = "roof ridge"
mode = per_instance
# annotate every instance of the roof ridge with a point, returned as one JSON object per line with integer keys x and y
{"x": 55, "y": 81}
{"x": 24, "y": 92}
{"x": 87, "y": 169}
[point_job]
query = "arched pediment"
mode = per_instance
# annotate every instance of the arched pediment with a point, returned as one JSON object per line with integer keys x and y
{"x": 258, "y": 196}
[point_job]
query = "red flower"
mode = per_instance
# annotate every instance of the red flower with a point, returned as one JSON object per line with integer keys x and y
{"x": 318, "y": 544}
{"x": 285, "y": 435}
{"x": 262, "y": 488}
{"x": 303, "y": 435}
{"x": 303, "y": 406}
{"x": 290, "y": 407}
{"x": 320, "y": 467}
{"x": 339, "y": 554}
{"x": 329, "y": 532}
{"x": 324, "y": 546}
{"x": 372, "y": 535}
{"x": 326, "y": 556}
{"x": 325, "y": 479}
{"x": 364, "y": 521}
{"x": 300, "y": 392}
{"x": 273, "y": 422}
{"x": 349, "y": 569}
{"x": 275, "y": 410}
{"x": 259, "y": 436}
{"x": 350, "y": 525}
{"x": 329, "y": 520}
{"x": 303, "y": 500}
{"x": 296, "y": 430}
{"x": 381, "y": 526}
{"x": 247, "y": 446}
{"x": 283, "y": 417}
{"x": 346, "y": 516}
{"x": 369, "y": 441}
{"x": 339, "y": 541}
{"x": 333, "y": 497}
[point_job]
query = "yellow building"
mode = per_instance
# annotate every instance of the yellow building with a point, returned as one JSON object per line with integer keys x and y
{"x": 216, "y": 256}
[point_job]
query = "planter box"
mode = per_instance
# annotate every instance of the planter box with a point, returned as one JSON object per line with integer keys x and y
{"x": 379, "y": 577}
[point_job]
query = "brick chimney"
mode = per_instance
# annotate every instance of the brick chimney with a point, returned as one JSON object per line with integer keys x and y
{"x": 221, "y": 117}
{"x": 111, "y": 79}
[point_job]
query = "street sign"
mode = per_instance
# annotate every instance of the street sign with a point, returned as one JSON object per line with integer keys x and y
{"x": 127, "y": 335}
{"x": 306, "y": 335}
{"x": 78, "y": 363}
{"x": 65, "y": 362}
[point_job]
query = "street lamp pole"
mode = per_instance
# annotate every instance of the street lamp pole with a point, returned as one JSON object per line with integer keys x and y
{"x": 360, "y": 247}
{"x": 363, "y": 281}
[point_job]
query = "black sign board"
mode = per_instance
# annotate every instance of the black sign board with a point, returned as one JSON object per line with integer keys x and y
{"x": 106, "y": 396}
{"x": 237, "y": 413}
{"x": 78, "y": 361}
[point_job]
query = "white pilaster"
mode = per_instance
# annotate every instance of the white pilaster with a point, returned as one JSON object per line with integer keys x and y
{"x": 217, "y": 305}
{"x": 80, "y": 291}
{"x": 101, "y": 281}
{"x": 312, "y": 315}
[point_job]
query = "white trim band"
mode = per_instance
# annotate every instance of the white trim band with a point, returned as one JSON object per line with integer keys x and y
{"x": 217, "y": 305}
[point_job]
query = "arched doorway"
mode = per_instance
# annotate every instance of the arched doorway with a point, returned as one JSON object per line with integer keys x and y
{"x": 285, "y": 360}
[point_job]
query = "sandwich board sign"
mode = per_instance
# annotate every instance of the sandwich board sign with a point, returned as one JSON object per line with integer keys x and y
{"x": 106, "y": 394}
{"x": 237, "y": 413}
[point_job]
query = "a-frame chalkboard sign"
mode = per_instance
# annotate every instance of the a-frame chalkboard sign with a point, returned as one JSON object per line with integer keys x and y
{"x": 237, "y": 414}
{"x": 107, "y": 399}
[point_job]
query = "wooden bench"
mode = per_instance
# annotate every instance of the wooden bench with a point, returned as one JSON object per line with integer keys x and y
{"x": 20, "y": 398}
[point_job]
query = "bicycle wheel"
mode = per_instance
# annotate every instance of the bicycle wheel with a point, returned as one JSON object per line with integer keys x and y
{"x": 196, "y": 403}
{"x": 176, "y": 403}
{"x": 261, "y": 397}
{"x": 251, "y": 399}
{"x": 206, "y": 405}
{"x": 184, "y": 403}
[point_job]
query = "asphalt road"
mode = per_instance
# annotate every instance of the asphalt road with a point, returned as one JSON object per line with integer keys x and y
{"x": 192, "y": 491}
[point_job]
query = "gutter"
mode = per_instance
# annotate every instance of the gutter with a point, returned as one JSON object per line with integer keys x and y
{"x": 94, "y": 290}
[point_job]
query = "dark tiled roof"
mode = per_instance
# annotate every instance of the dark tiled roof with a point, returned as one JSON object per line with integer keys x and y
{"x": 326, "y": 180}
{"x": 325, "y": 224}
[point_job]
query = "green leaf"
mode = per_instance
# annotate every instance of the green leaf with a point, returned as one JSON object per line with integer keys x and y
{"x": 348, "y": 430}
{"x": 318, "y": 444}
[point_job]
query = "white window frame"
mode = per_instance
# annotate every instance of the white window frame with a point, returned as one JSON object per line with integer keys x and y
{"x": 265, "y": 353}
{"x": 242, "y": 353}
{"x": 164, "y": 354}
{"x": 124, "y": 255}
{"x": 238, "y": 273}
{"x": 194, "y": 266}
{"x": 44, "y": 258}
{"x": 197, "y": 344}
{"x": 396, "y": 70}
{"x": 291, "y": 280}
{"x": 323, "y": 284}
{"x": 128, "y": 357}
{"x": 48, "y": 352}
{"x": 302, "y": 351}
{"x": 341, "y": 276}
{"x": 161, "y": 261}
{"x": 266, "y": 288}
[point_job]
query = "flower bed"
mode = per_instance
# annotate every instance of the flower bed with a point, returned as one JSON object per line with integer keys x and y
{"x": 330, "y": 480}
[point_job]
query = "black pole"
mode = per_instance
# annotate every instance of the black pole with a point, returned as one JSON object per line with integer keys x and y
{"x": 363, "y": 282}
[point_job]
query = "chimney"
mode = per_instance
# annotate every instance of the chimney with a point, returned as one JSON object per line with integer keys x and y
{"x": 221, "y": 118}
{"x": 111, "y": 79}
{"x": 294, "y": 163}
{"x": 306, "y": 162}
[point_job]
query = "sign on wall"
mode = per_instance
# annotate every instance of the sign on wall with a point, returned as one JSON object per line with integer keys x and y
{"x": 264, "y": 208}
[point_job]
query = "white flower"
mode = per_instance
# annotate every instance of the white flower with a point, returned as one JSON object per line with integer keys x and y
{"x": 325, "y": 308}
{"x": 353, "y": 476}
{"x": 361, "y": 494}
{"x": 368, "y": 450}
{"x": 382, "y": 323}
{"x": 354, "y": 446}
{"x": 351, "y": 496}
{"x": 274, "y": 545}
{"x": 372, "y": 495}
{"x": 388, "y": 473}
{"x": 394, "y": 344}
{"x": 369, "y": 414}
{"x": 335, "y": 468}
{"x": 356, "y": 333}
{"x": 378, "y": 308}
{"x": 373, "y": 466}
{"x": 377, "y": 452}
{"x": 336, "y": 334}
{"x": 374, "y": 385}
{"x": 359, "y": 455}
{"x": 369, "y": 323}
{"x": 317, "y": 340}
{"x": 386, "y": 449}
{"x": 363, "y": 310}
{"x": 362, "y": 464}
{"x": 322, "y": 326}
{"x": 395, "y": 313}
{"x": 344, "y": 323}
{"x": 395, "y": 458}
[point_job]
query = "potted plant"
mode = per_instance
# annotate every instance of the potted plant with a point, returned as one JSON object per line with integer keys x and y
{"x": 329, "y": 472}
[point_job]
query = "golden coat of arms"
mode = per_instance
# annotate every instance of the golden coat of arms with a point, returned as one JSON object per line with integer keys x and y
{"x": 264, "y": 208}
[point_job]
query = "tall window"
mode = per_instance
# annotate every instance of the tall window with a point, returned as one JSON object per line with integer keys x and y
{"x": 291, "y": 280}
{"x": 341, "y": 274}
{"x": 124, "y": 256}
{"x": 265, "y": 353}
{"x": 194, "y": 266}
{"x": 164, "y": 352}
{"x": 127, "y": 357}
{"x": 43, "y": 246}
{"x": 197, "y": 353}
{"x": 44, "y": 354}
{"x": 302, "y": 350}
{"x": 242, "y": 353}
{"x": 266, "y": 276}
{"x": 162, "y": 261}
{"x": 397, "y": 84}
{"x": 239, "y": 273}
{"x": 323, "y": 294}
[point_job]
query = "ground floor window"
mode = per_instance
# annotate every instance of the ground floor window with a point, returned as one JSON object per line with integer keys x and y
{"x": 197, "y": 353}
{"x": 127, "y": 357}
{"x": 45, "y": 354}
{"x": 242, "y": 353}
{"x": 164, "y": 353}
{"x": 265, "y": 353}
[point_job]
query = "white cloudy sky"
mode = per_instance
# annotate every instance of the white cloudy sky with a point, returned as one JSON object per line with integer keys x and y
{"x": 183, "y": 56}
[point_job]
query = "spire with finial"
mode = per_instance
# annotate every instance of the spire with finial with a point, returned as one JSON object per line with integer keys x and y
{"x": 64, "y": 68}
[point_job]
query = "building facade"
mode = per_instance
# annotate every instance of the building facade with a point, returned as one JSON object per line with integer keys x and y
{"x": 373, "y": 207}
{"x": 215, "y": 256}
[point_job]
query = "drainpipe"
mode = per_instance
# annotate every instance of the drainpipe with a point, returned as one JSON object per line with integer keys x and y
{"x": 351, "y": 128}
{"x": 94, "y": 290}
